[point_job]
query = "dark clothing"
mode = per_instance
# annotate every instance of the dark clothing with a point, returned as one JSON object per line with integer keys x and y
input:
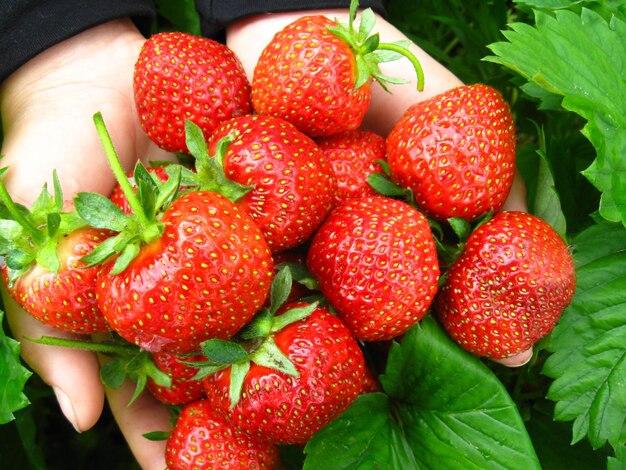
{"x": 28, "y": 27}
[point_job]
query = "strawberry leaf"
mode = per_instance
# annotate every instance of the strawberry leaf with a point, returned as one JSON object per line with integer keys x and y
{"x": 224, "y": 352}
{"x": 100, "y": 212}
{"x": 365, "y": 436}
{"x": 14, "y": 376}
{"x": 588, "y": 344}
{"x": 270, "y": 355}
{"x": 589, "y": 79}
{"x": 442, "y": 408}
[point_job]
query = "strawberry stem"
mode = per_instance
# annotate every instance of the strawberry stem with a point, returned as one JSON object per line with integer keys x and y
{"x": 104, "y": 348}
{"x": 150, "y": 229}
{"x": 414, "y": 61}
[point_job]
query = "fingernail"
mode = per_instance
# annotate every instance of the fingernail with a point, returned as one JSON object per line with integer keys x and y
{"x": 66, "y": 407}
{"x": 517, "y": 360}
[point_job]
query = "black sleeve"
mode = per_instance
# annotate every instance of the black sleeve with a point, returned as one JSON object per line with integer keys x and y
{"x": 215, "y": 14}
{"x": 28, "y": 27}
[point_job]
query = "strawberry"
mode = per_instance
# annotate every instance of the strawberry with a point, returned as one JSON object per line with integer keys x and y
{"x": 456, "y": 152}
{"x": 205, "y": 276}
{"x": 291, "y": 184}
{"x": 327, "y": 373}
{"x": 183, "y": 388}
{"x": 180, "y": 76}
{"x": 508, "y": 287}
{"x": 316, "y": 73}
{"x": 180, "y": 270}
{"x": 203, "y": 439}
{"x": 375, "y": 260}
{"x": 42, "y": 250}
{"x": 354, "y": 156}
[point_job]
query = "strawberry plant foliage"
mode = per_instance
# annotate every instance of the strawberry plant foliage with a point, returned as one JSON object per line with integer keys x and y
{"x": 589, "y": 359}
{"x": 590, "y": 80}
{"x": 13, "y": 375}
{"x": 441, "y": 408}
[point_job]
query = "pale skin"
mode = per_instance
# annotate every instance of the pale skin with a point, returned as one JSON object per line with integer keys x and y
{"x": 47, "y": 107}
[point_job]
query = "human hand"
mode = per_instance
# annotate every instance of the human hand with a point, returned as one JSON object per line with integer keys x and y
{"x": 47, "y": 107}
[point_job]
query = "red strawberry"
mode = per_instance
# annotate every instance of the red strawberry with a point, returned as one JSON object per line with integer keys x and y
{"x": 509, "y": 286}
{"x": 316, "y": 73}
{"x": 354, "y": 156}
{"x": 183, "y": 389}
{"x": 180, "y": 270}
{"x": 65, "y": 299}
{"x": 330, "y": 372}
{"x": 292, "y": 185}
{"x": 40, "y": 260}
{"x": 204, "y": 277}
{"x": 456, "y": 152}
{"x": 375, "y": 261}
{"x": 180, "y": 76}
{"x": 202, "y": 439}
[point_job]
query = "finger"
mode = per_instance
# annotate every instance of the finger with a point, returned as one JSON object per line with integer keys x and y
{"x": 145, "y": 415}
{"x": 73, "y": 374}
{"x": 517, "y": 360}
{"x": 516, "y": 200}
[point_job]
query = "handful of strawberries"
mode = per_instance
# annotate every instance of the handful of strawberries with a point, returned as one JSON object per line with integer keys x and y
{"x": 248, "y": 286}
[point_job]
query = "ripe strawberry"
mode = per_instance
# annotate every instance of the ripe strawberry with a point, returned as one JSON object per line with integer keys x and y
{"x": 182, "y": 269}
{"x": 41, "y": 249}
{"x": 202, "y": 439}
{"x": 316, "y": 73}
{"x": 183, "y": 388}
{"x": 509, "y": 286}
{"x": 456, "y": 152}
{"x": 204, "y": 277}
{"x": 65, "y": 298}
{"x": 354, "y": 156}
{"x": 292, "y": 185}
{"x": 180, "y": 76}
{"x": 375, "y": 260}
{"x": 329, "y": 372}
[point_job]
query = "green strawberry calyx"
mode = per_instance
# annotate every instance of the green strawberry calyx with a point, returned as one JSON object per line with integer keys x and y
{"x": 31, "y": 236}
{"x": 369, "y": 52}
{"x": 209, "y": 174}
{"x": 134, "y": 230}
{"x": 255, "y": 342}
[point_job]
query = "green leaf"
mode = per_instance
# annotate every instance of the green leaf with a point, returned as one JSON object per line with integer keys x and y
{"x": 365, "y": 436}
{"x": 591, "y": 81}
{"x": 113, "y": 373}
{"x": 146, "y": 189}
{"x": 552, "y": 442}
{"x": 224, "y": 352}
{"x": 292, "y": 315}
{"x": 11, "y": 230}
{"x": 100, "y": 211}
{"x": 454, "y": 419}
{"x": 589, "y": 342}
{"x": 280, "y": 289}
{"x": 128, "y": 253}
{"x": 443, "y": 408}
{"x": 13, "y": 377}
{"x": 157, "y": 435}
{"x": 269, "y": 355}
{"x": 383, "y": 185}
{"x": 238, "y": 372}
{"x": 47, "y": 256}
